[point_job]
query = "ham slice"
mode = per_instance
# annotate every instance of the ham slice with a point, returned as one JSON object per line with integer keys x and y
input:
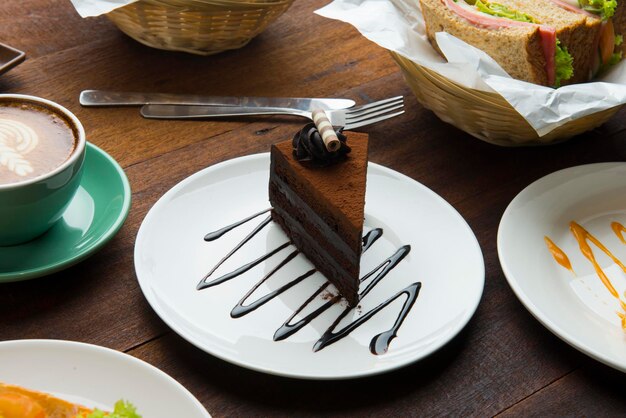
{"x": 547, "y": 33}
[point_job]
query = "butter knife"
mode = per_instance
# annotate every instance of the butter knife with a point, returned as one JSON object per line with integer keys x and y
{"x": 116, "y": 98}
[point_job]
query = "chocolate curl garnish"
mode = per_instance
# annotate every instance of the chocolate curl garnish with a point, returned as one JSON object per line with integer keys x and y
{"x": 325, "y": 128}
{"x": 309, "y": 148}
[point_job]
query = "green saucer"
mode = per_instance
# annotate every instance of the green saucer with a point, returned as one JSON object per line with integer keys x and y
{"x": 95, "y": 215}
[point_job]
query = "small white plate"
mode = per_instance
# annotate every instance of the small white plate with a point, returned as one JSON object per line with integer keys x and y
{"x": 575, "y": 307}
{"x": 95, "y": 377}
{"x": 171, "y": 257}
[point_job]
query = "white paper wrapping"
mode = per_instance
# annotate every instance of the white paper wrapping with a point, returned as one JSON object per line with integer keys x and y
{"x": 398, "y": 25}
{"x": 88, "y": 8}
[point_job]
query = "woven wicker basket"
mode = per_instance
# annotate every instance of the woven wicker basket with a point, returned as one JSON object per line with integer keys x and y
{"x": 485, "y": 115}
{"x": 202, "y": 27}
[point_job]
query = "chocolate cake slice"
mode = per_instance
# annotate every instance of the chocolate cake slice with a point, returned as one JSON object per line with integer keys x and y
{"x": 320, "y": 205}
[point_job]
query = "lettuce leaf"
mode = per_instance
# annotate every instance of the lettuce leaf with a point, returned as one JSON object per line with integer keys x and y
{"x": 499, "y": 10}
{"x": 122, "y": 409}
{"x": 615, "y": 58}
{"x": 604, "y": 8}
{"x": 563, "y": 63}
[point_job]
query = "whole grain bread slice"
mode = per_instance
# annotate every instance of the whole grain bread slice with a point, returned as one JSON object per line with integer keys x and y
{"x": 517, "y": 49}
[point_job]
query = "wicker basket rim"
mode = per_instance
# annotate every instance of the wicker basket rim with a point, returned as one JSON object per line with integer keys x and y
{"x": 494, "y": 97}
{"x": 202, "y": 4}
{"x": 486, "y": 115}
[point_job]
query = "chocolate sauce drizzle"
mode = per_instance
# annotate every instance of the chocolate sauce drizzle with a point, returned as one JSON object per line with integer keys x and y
{"x": 212, "y": 236}
{"x": 386, "y": 266}
{"x": 378, "y": 345}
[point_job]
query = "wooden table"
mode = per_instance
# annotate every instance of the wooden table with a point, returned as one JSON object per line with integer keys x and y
{"x": 503, "y": 362}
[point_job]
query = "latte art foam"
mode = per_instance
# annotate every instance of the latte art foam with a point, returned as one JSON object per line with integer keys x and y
{"x": 16, "y": 141}
{"x": 34, "y": 140}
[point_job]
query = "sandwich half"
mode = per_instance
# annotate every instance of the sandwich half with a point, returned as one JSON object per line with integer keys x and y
{"x": 611, "y": 14}
{"x": 533, "y": 40}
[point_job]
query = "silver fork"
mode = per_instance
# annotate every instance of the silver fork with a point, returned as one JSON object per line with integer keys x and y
{"x": 347, "y": 118}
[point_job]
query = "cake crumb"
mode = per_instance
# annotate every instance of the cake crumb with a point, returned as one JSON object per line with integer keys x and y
{"x": 328, "y": 295}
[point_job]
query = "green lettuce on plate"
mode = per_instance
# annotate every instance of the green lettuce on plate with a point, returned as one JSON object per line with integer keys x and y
{"x": 122, "y": 409}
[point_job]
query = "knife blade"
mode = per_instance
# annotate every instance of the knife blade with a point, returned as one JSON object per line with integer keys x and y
{"x": 91, "y": 98}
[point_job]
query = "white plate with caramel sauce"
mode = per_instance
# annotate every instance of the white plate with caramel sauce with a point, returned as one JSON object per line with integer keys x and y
{"x": 270, "y": 311}
{"x": 562, "y": 246}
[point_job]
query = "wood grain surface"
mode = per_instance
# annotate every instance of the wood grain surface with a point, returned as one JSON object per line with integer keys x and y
{"x": 503, "y": 362}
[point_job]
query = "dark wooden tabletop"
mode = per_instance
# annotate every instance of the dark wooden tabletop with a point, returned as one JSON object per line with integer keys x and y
{"x": 503, "y": 362}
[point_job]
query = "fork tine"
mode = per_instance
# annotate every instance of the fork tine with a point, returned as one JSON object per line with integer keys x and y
{"x": 373, "y": 113}
{"x": 386, "y": 105}
{"x": 370, "y": 121}
{"x": 374, "y": 104}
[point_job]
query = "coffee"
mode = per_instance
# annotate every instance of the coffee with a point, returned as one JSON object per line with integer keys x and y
{"x": 34, "y": 140}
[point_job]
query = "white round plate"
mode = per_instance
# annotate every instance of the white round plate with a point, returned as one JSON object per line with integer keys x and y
{"x": 171, "y": 257}
{"x": 574, "y": 306}
{"x": 95, "y": 377}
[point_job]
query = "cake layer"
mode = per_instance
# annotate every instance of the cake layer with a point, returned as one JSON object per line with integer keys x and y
{"x": 319, "y": 256}
{"x": 285, "y": 200}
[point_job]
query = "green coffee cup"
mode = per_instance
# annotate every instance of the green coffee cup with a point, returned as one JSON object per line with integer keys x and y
{"x": 42, "y": 149}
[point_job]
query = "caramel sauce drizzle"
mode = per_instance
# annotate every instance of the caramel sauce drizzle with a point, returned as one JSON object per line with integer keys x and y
{"x": 558, "y": 254}
{"x": 584, "y": 237}
{"x": 618, "y": 228}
